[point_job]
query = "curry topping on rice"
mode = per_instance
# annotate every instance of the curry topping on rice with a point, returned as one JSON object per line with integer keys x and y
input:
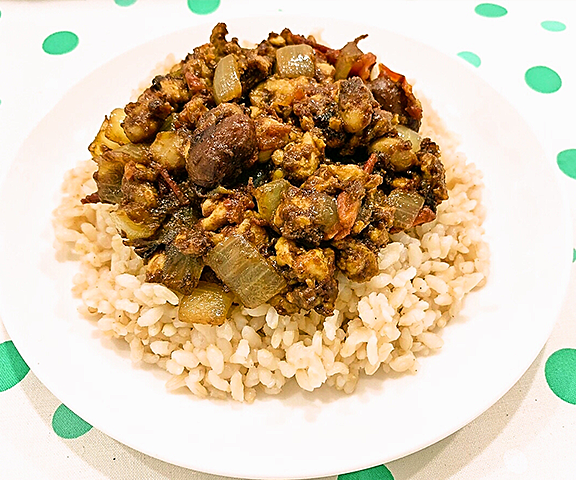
{"x": 256, "y": 174}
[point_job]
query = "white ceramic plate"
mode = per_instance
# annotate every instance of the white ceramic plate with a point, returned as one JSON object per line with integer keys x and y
{"x": 297, "y": 434}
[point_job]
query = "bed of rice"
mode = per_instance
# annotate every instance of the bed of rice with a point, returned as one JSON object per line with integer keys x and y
{"x": 384, "y": 324}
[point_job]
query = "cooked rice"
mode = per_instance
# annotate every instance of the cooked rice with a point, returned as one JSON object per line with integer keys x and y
{"x": 384, "y": 324}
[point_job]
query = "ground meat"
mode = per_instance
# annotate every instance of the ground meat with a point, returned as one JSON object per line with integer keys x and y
{"x": 356, "y": 104}
{"x": 356, "y": 260}
{"x": 311, "y": 276}
{"x": 225, "y": 209}
{"x": 192, "y": 112}
{"x": 320, "y": 298}
{"x": 277, "y": 95}
{"x": 300, "y": 159}
{"x": 305, "y": 215}
{"x": 192, "y": 241}
{"x": 173, "y": 88}
{"x": 145, "y": 116}
{"x": 433, "y": 177}
{"x": 377, "y": 234}
{"x": 317, "y": 108}
{"x": 272, "y": 134}
{"x": 314, "y": 263}
{"x": 253, "y": 230}
{"x": 255, "y": 66}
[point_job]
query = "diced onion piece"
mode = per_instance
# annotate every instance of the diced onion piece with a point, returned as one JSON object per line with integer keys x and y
{"x": 407, "y": 204}
{"x": 208, "y": 304}
{"x": 384, "y": 145}
{"x": 348, "y": 55}
{"x": 181, "y": 272}
{"x": 269, "y": 196}
{"x": 109, "y": 179}
{"x": 327, "y": 213}
{"x": 130, "y": 152}
{"x": 114, "y": 130}
{"x": 410, "y": 135}
{"x": 111, "y": 169}
{"x": 295, "y": 61}
{"x": 227, "y": 84}
{"x": 247, "y": 273}
{"x": 101, "y": 143}
{"x": 132, "y": 229}
{"x": 167, "y": 150}
{"x": 401, "y": 158}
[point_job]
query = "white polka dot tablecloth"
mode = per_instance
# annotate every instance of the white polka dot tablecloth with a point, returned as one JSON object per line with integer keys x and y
{"x": 525, "y": 50}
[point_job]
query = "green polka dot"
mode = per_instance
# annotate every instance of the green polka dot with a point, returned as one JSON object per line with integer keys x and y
{"x": 553, "y": 26}
{"x": 374, "y": 473}
{"x": 471, "y": 58}
{"x": 567, "y": 162}
{"x": 124, "y": 3}
{"x": 12, "y": 367}
{"x": 574, "y": 255}
{"x": 60, "y": 42}
{"x": 203, "y": 7}
{"x": 543, "y": 79}
{"x": 560, "y": 371}
{"x": 490, "y": 10}
{"x": 67, "y": 424}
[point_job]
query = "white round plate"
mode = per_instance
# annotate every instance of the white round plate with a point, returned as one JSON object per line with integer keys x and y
{"x": 296, "y": 434}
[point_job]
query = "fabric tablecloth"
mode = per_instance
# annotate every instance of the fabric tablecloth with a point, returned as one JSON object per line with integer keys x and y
{"x": 48, "y": 46}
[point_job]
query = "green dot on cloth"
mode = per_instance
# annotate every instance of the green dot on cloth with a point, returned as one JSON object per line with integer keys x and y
{"x": 375, "y": 473}
{"x": 60, "y": 42}
{"x": 203, "y": 7}
{"x": 553, "y": 26}
{"x": 124, "y": 3}
{"x": 471, "y": 58}
{"x": 574, "y": 255}
{"x": 12, "y": 367}
{"x": 566, "y": 160}
{"x": 490, "y": 10}
{"x": 543, "y": 79}
{"x": 67, "y": 424}
{"x": 560, "y": 371}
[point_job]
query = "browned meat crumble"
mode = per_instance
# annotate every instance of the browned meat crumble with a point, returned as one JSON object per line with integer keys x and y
{"x": 264, "y": 172}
